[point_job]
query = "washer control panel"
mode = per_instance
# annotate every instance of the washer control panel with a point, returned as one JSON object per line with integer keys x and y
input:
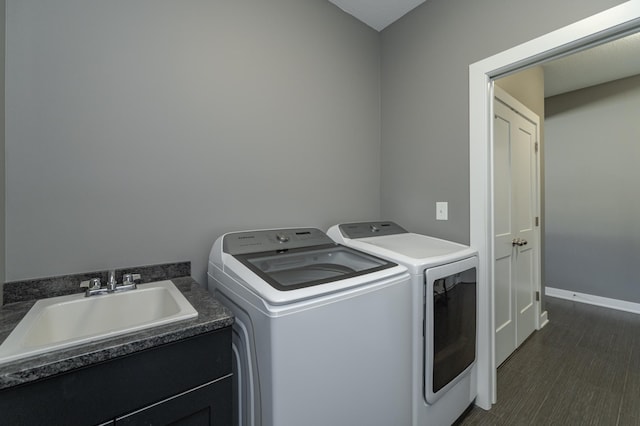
{"x": 370, "y": 229}
{"x": 282, "y": 238}
{"x": 273, "y": 239}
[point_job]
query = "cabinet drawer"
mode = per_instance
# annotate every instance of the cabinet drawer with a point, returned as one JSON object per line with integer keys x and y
{"x": 206, "y": 405}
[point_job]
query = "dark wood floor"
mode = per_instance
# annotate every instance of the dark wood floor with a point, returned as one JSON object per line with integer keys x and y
{"x": 583, "y": 368}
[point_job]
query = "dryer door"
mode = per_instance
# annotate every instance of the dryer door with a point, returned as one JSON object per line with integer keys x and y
{"x": 450, "y": 325}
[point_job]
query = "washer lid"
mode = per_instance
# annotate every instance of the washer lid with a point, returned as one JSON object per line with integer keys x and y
{"x": 414, "y": 251}
{"x": 416, "y": 246}
{"x": 296, "y": 268}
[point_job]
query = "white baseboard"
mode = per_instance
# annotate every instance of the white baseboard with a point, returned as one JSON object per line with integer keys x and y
{"x": 621, "y": 305}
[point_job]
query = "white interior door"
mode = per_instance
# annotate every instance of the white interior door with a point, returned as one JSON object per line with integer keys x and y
{"x": 516, "y": 268}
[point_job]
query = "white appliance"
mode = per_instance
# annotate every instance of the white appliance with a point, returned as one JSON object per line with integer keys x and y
{"x": 444, "y": 314}
{"x": 321, "y": 330}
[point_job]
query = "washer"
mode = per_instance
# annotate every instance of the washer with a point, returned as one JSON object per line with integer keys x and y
{"x": 444, "y": 314}
{"x": 321, "y": 330}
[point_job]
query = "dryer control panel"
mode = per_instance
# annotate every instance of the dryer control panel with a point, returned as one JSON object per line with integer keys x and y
{"x": 273, "y": 239}
{"x": 370, "y": 229}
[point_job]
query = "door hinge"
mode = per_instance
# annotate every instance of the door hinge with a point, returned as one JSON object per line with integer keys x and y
{"x": 537, "y": 221}
{"x": 537, "y": 296}
{"x": 536, "y": 146}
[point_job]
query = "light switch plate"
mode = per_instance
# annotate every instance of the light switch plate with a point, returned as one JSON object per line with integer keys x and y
{"x": 442, "y": 210}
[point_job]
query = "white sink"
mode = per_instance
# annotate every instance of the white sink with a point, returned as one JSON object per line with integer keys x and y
{"x": 65, "y": 321}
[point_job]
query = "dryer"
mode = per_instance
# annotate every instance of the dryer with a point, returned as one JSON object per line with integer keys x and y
{"x": 444, "y": 314}
{"x": 321, "y": 333}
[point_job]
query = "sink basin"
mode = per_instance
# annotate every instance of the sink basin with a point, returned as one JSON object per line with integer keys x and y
{"x": 65, "y": 321}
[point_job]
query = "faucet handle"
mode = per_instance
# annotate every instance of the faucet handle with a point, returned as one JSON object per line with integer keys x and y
{"x": 133, "y": 277}
{"x": 127, "y": 279}
{"x": 91, "y": 284}
{"x": 94, "y": 284}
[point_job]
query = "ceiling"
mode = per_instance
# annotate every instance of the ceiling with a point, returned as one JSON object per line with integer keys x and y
{"x": 607, "y": 62}
{"x": 377, "y": 13}
{"x": 600, "y": 64}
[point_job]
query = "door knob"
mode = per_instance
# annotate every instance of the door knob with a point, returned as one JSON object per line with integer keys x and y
{"x": 518, "y": 242}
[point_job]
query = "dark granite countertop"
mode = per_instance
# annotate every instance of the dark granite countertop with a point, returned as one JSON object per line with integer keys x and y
{"x": 212, "y": 315}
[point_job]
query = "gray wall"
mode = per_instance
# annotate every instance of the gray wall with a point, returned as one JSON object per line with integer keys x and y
{"x": 592, "y": 200}
{"x": 425, "y": 98}
{"x": 139, "y": 131}
{"x": 2, "y": 166}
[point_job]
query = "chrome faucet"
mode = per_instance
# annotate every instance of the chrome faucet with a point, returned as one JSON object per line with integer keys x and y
{"x": 111, "y": 280}
{"x": 94, "y": 286}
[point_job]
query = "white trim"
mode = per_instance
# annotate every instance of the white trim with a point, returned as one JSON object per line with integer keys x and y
{"x": 544, "y": 320}
{"x": 605, "y": 25}
{"x": 504, "y": 97}
{"x": 590, "y": 299}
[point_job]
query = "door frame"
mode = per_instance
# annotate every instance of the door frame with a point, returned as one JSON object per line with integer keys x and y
{"x": 597, "y": 29}
{"x": 519, "y": 108}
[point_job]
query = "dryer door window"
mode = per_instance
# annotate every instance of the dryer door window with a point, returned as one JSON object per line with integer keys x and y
{"x": 450, "y": 314}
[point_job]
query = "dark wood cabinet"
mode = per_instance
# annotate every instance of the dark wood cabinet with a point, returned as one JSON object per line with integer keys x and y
{"x": 205, "y": 405}
{"x": 187, "y": 382}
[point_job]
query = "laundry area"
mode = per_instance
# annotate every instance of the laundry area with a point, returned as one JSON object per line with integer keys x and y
{"x": 287, "y": 205}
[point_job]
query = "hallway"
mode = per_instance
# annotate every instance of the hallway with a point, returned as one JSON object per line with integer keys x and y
{"x": 583, "y": 368}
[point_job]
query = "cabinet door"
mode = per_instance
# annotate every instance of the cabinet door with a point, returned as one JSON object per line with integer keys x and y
{"x": 209, "y": 404}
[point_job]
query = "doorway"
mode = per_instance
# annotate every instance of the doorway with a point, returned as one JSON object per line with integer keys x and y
{"x": 611, "y": 24}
